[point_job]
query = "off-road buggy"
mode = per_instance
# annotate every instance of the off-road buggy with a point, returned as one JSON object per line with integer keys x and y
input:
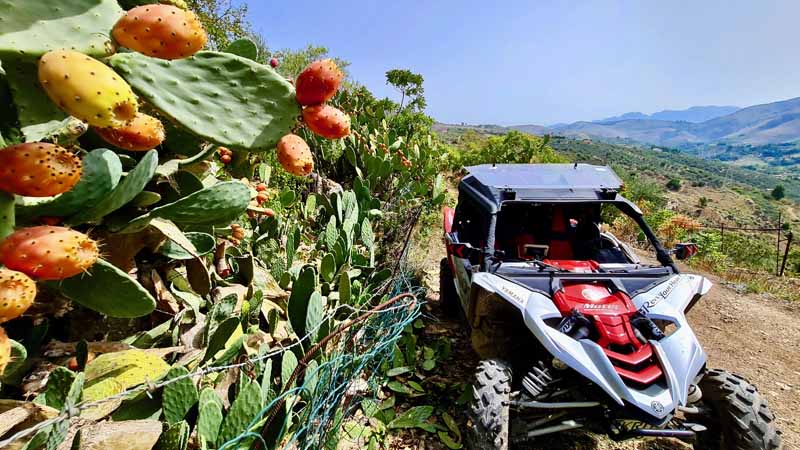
{"x": 573, "y": 329}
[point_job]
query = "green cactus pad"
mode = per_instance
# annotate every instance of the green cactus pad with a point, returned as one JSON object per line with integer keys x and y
{"x": 204, "y": 243}
{"x": 31, "y": 28}
{"x": 218, "y": 204}
{"x": 221, "y": 97}
{"x": 175, "y": 438}
{"x": 243, "y": 410}
{"x": 15, "y": 370}
{"x": 108, "y": 290}
{"x": 209, "y": 418}
{"x": 298, "y": 300}
{"x": 126, "y": 191}
{"x": 58, "y": 384}
{"x": 102, "y": 171}
{"x": 38, "y": 116}
{"x": 178, "y": 397}
{"x": 7, "y": 216}
{"x": 314, "y": 316}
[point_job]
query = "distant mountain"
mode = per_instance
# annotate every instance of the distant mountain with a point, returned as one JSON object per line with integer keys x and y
{"x": 695, "y": 114}
{"x": 759, "y": 125}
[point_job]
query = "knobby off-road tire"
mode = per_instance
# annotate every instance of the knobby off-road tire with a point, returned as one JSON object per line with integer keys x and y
{"x": 740, "y": 418}
{"x": 448, "y": 297}
{"x": 489, "y": 411}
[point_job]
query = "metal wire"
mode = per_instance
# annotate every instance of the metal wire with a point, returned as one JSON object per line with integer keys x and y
{"x": 76, "y": 409}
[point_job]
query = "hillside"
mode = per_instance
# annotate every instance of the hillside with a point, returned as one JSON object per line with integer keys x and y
{"x": 695, "y": 114}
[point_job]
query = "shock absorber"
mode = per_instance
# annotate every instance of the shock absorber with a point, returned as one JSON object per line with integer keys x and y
{"x": 537, "y": 380}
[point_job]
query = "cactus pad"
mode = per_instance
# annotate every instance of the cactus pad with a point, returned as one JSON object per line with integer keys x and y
{"x": 128, "y": 299}
{"x": 30, "y": 28}
{"x": 104, "y": 388}
{"x": 218, "y": 204}
{"x": 243, "y": 410}
{"x": 58, "y": 384}
{"x": 209, "y": 421}
{"x": 126, "y": 191}
{"x": 224, "y": 98}
{"x": 175, "y": 438}
{"x": 179, "y": 397}
{"x": 38, "y": 116}
{"x": 128, "y": 367}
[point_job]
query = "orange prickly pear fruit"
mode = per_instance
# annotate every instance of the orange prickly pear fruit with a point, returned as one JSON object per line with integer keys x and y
{"x": 160, "y": 31}
{"x": 17, "y": 292}
{"x": 5, "y": 350}
{"x": 142, "y": 133}
{"x": 294, "y": 155}
{"x": 327, "y": 121}
{"x": 87, "y": 89}
{"x": 261, "y": 187}
{"x": 72, "y": 363}
{"x": 38, "y": 169}
{"x": 318, "y": 82}
{"x": 48, "y": 253}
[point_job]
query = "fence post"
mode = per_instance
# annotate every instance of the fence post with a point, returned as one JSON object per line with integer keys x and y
{"x": 789, "y": 237}
{"x": 722, "y": 238}
{"x": 778, "y": 247}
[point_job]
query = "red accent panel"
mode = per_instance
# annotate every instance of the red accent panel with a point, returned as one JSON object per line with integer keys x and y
{"x": 559, "y": 248}
{"x": 574, "y": 265}
{"x": 647, "y": 376}
{"x": 610, "y": 312}
{"x": 448, "y": 214}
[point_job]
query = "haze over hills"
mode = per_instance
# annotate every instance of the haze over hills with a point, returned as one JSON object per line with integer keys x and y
{"x": 770, "y": 123}
{"x": 695, "y": 114}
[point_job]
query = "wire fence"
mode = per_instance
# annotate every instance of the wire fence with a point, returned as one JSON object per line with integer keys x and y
{"x": 355, "y": 350}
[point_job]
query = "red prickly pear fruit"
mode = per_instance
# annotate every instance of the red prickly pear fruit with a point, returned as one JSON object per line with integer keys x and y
{"x": 160, "y": 31}
{"x": 72, "y": 363}
{"x": 48, "y": 253}
{"x": 261, "y": 198}
{"x": 273, "y": 62}
{"x": 142, "y": 133}
{"x": 17, "y": 292}
{"x": 261, "y": 187}
{"x": 318, "y": 82}
{"x": 5, "y": 350}
{"x": 38, "y": 169}
{"x": 294, "y": 155}
{"x": 327, "y": 121}
{"x": 226, "y": 158}
{"x": 87, "y": 89}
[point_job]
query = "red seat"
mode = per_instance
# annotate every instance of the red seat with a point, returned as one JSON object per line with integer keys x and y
{"x": 560, "y": 246}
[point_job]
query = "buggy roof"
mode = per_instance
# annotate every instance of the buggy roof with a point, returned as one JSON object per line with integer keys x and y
{"x": 542, "y": 182}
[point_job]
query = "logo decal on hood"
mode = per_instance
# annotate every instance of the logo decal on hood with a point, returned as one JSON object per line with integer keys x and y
{"x": 659, "y": 296}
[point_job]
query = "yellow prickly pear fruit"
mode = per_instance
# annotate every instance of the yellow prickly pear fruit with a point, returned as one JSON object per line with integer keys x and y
{"x": 87, "y": 89}
{"x": 5, "y": 350}
{"x": 17, "y": 292}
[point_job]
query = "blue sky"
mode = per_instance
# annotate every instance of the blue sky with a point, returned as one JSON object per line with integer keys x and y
{"x": 517, "y": 62}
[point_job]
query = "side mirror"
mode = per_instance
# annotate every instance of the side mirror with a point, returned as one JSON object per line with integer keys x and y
{"x": 684, "y": 250}
{"x": 463, "y": 250}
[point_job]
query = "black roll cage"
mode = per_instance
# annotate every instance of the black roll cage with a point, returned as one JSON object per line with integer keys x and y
{"x": 627, "y": 207}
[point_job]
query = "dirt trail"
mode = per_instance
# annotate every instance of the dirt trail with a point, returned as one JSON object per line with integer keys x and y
{"x": 753, "y": 335}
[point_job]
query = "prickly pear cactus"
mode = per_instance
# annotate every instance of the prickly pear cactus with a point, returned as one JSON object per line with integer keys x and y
{"x": 90, "y": 289}
{"x": 224, "y": 98}
{"x": 175, "y": 438}
{"x": 130, "y": 186}
{"x": 38, "y": 116}
{"x": 128, "y": 367}
{"x": 241, "y": 414}
{"x": 178, "y": 397}
{"x": 210, "y": 416}
{"x": 221, "y": 203}
{"x": 29, "y": 29}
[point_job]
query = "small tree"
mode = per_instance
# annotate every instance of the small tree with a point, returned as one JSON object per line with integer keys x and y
{"x": 703, "y": 202}
{"x": 674, "y": 184}
{"x": 410, "y": 86}
{"x": 779, "y": 192}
